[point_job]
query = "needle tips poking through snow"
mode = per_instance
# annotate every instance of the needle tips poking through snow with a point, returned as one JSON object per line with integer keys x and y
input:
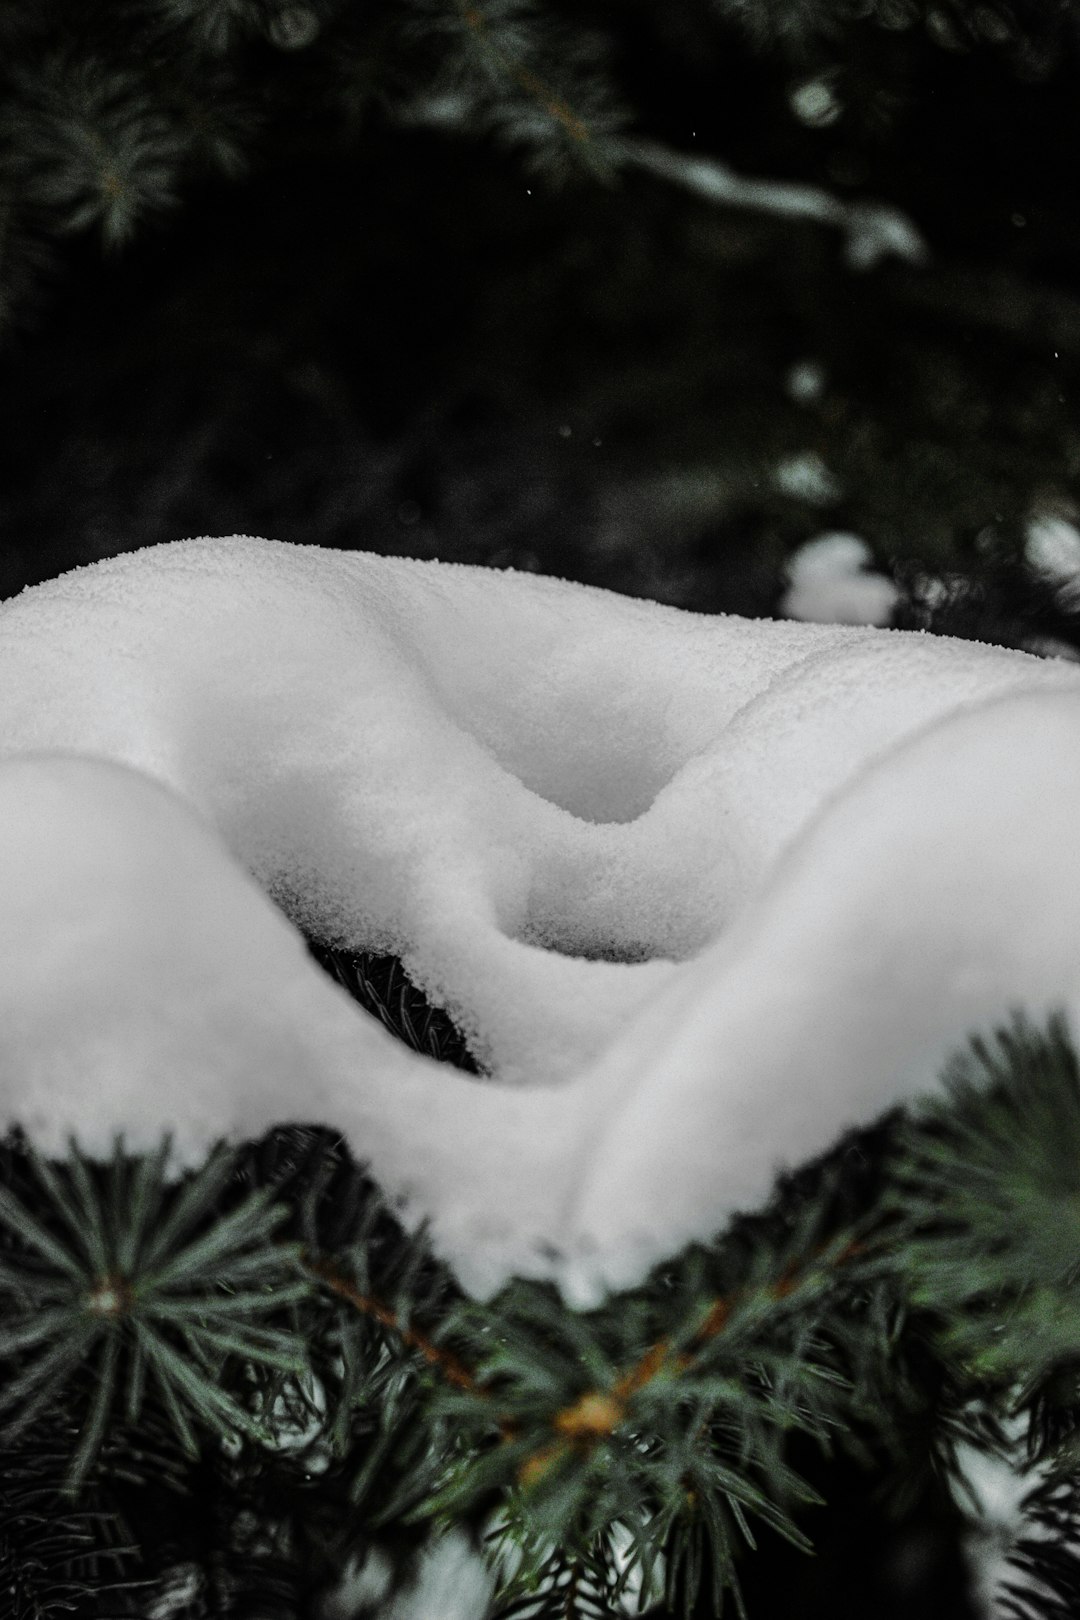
{"x": 701, "y": 892}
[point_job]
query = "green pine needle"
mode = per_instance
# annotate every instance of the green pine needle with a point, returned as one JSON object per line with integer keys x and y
{"x": 987, "y": 1194}
{"x": 668, "y": 1410}
{"x": 117, "y": 1279}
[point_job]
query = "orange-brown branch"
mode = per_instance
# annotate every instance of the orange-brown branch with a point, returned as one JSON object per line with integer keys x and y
{"x": 596, "y": 1414}
{"x": 533, "y": 85}
{"x": 452, "y": 1367}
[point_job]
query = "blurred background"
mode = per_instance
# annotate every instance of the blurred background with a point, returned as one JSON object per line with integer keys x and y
{"x": 764, "y": 306}
{"x": 464, "y": 281}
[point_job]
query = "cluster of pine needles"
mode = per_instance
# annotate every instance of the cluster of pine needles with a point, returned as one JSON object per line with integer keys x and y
{"x": 227, "y": 1388}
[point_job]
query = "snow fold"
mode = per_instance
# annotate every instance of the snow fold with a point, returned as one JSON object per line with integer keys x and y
{"x": 701, "y": 891}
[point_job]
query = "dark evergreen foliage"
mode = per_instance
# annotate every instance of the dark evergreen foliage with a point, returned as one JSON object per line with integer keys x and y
{"x": 295, "y": 1379}
{"x": 364, "y": 320}
{"x": 380, "y": 984}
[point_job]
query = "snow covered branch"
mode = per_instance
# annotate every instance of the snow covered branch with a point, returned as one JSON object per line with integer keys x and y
{"x": 700, "y": 892}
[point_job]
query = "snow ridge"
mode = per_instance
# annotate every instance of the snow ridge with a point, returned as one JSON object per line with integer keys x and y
{"x": 701, "y": 891}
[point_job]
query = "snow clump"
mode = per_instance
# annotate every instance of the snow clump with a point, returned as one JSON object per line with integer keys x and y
{"x": 830, "y": 583}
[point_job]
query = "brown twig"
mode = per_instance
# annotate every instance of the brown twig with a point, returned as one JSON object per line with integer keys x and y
{"x": 596, "y": 1414}
{"x": 452, "y": 1367}
{"x": 533, "y": 85}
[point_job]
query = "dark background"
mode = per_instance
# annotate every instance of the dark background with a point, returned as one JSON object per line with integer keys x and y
{"x": 434, "y": 341}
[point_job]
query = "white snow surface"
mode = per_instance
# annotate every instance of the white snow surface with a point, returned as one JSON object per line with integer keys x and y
{"x": 815, "y": 857}
{"x": 451, "y": 1582}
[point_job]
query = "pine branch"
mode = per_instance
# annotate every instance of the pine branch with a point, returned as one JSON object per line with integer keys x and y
{"x": 273, "y": 1299}
{"x": 986, "y": 1199}
{"x": 988, "y": 1187}
{"x": 517, "y": 48}
{"x": 683, "y": 1438}
{"x": 872, "y": 231}
{"x": 124, "y": 1281}
{"x": 382, "y": 987}
{"x": 55, "y": 1557}
{"x": 89, "y": 145}
{"x": 449, "y": 1366}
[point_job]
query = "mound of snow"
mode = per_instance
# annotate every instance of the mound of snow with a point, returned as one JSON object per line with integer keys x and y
{"x": 702, "y": 892}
